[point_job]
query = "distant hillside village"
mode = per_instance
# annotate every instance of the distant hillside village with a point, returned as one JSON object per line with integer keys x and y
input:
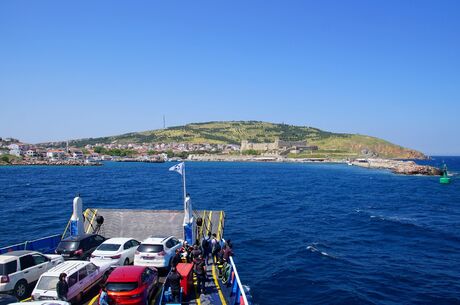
{"x": 146, "y": 152}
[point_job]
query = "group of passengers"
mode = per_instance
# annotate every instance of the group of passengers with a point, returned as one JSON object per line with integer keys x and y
{"x": 199, "y": 255}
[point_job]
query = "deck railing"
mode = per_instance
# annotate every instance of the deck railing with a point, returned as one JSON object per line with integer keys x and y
{"x": 237, "y": 288}
{"x": 45, "y": 245}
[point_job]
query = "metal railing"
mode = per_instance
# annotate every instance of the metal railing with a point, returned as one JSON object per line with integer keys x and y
{"x": 45, "y": 245}
{"x": 237, "y": 288}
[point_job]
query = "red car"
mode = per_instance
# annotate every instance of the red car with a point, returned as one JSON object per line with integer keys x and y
{"x": 131, "y": 285}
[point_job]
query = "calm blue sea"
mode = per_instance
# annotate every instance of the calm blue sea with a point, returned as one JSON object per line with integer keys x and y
{"x": 303, "y": 233}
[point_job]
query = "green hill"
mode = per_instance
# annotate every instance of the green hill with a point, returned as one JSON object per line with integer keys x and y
{"x": 329, "y": 144}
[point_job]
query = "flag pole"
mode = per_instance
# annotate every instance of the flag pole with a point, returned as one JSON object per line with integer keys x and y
{"x": 183, "y": 183}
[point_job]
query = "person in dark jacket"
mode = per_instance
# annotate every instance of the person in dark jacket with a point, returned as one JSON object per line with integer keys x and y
{"x": 176, "y": 259}
{"x": 206, "y": 247}
{"x": 215, "y": 247}
{"x": 173, "y": 280}
{"x": 227, "y": 253}
{"x": 195, "y": 252}
{"x": 199, "y": 267}
{"x": 62, "y": 287}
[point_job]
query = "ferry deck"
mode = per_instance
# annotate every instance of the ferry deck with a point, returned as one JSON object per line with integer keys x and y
{"x": 140, "y": 224}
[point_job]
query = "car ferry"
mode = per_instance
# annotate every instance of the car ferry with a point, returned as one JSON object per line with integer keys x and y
{"x": 223, "y": 286}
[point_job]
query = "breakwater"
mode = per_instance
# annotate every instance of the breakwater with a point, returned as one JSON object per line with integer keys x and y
{"x": 398, "y": 166}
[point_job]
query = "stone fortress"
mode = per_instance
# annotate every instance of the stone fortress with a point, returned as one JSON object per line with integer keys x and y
{"x": 277, "y": 147}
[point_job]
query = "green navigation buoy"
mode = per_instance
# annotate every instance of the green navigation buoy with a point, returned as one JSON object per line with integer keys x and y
{"x": 445, "y": 178}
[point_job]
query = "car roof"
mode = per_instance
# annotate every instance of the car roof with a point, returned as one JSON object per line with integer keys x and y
{"x": 155, "y": 240}
{"x": 117, "y": 240}
{"x": 66, "y": 267}
{"x": 9, "y": 256}
{"x": 78, "y": 238}
{"x": 126, "y": 274}
{"x": 17, "y": 253}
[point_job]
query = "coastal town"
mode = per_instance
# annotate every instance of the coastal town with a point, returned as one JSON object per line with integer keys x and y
{"x": 15, "y": 152}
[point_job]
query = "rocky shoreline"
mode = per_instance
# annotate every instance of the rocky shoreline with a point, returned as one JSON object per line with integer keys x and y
{"x": 399, "y": 167}
{"x": 395, "y": 166}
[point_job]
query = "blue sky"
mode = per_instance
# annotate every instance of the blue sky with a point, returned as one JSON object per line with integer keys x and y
{"x": 73, "y": 69}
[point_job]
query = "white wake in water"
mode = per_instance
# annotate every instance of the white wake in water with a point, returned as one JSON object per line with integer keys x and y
{"x": 313, "y": 249}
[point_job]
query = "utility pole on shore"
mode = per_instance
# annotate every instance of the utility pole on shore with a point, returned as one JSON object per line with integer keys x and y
{"x": 164, "y": 122}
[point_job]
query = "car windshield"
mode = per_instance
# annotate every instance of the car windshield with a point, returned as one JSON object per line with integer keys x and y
{"x": 128, "y": 286}
{"x": 68, "y": 245}
{"x": 108, "y": 247}
{"x": 146, "y": 248}
{"x": 47, "y": 283}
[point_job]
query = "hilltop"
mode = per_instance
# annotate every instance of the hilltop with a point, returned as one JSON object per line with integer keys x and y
{"x": 339, "y": 145}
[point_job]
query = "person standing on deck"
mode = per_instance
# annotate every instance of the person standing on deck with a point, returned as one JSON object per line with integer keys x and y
{"x": 104, "y": 297}
{"x": 173, "y": 280}
{"x": 62, "y": 287}
{"x": 227, "y": 252}
{"x": 176, "y": 259}
{"x": 195, "y": 252}
{"x": 185, "y": 252}
{"x": 206, "y": 247}
{"x": 215, "y": 246}
{"x": 199, "y": 267}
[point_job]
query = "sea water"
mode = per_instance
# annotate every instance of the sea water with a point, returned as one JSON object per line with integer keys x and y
{"x": 302, "y": 233}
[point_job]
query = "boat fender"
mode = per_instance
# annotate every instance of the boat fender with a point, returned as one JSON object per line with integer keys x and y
{"x": 199, "y": 221}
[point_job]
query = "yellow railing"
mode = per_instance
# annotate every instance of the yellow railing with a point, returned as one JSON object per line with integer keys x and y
{"x": 93, "y": 216}
{"x": 220, "y": 228}
{"x": 88, "y": 214}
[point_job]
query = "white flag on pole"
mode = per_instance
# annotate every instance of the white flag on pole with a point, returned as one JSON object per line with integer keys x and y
{"x": 178, "y": 168}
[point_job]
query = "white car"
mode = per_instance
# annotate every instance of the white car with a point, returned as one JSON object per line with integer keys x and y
{"x": 20, "y": 269}
{"x": 120, "y": 251}
{"x": 156, "y": 252}
{"x": 81, "y": 277}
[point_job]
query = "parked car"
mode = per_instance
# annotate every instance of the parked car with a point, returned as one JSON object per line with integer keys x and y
{"x": 81, "y": 277}
{"x": 120, "y": 251}
{"x": 156, "y": 252}
{"x": 79, "y": 247}
{"x": 19, "y": 270}
{"x": 8, "y": 299}
{"x": 132, "y": 285}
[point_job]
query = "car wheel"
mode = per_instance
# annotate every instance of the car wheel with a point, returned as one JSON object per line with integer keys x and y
{"x": 126, "y": 262}
{"x": 20, "y": 289}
